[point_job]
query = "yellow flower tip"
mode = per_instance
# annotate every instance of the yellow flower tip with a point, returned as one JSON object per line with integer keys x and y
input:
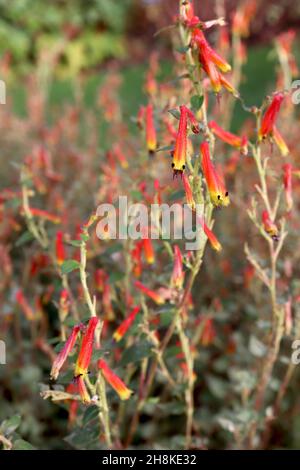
{"x": 217, "y": 246}
{"x": 117, "y": 336}
{"x": 125, "y": 394}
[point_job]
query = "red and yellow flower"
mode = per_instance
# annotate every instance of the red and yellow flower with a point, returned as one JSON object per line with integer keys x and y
{"x": 63, "y": 354}
{"x": 241, "y": 143}
{"x": 150, "y": 129}
{"x": 59, "y": 248}
{"x": 269, "y": 226}
{"x": 180, "y": 151}
{"x": 216, "y": 188}
{"x": 287, "y": 182}
{"x": 155, "y": 296}
{"x": 86, "y": 349}
{"x": 126, "y": 324}
{"x": 114, "y": 381}
{"x": 188, "y": 192}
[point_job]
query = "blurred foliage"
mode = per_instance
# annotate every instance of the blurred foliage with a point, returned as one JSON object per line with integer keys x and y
{"x": 84, "y": 33}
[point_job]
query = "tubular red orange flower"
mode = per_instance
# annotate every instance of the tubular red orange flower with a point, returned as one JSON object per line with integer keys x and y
{"x": 217, "y": 191}
{"x": 279, "y": 141}
{"x": 100, "y": 279}
{"x": 126, "y": 324}
{"x": 179, "y": 156}
{"x": 86, "y": 349}
{"x": 158, "y": 299}
{"x": 242, "y": 17}
{"x": 114, "y": 381}
{"x": 178, "y": 273}
{"x": 150, "y": 130}
{"x": 269, "y": 118}
{"x": 287, "y": 182}
{"x": 106, "y": 302}
{"x": 240, "y": 143}
{"x": 226, "y": 84}
{"x": 180, "y": 151}
{"x": 83, "y": 392}
{"x": 209, "y": 67}
{"x": 28, "y": 312}
{"x": 269, "y": 226}
{"x": 148, "y": 250}
{"x": 120, "y": 156}
{"x": 60, "y": 249}
{"x": 188, "y": 16}
{"x": 137, "y": 259}
{"x": 64, "y": 303}
{"x": 63, "y": 354}
{"x": 188, "y": 192}
{"x": 208, "y": 332}
{"x": 197, "y": 38}
{"x": 35, "y": 212}
{"x": 140, "y": 117}
{"x": 211, "y": 237}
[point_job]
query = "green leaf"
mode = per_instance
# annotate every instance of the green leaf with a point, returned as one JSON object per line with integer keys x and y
{"x": 11, "y": 424}
{"x": 175, "y": 113}
{"x": 116, "y": 247}
{"x": 20, "y": 444}
{"x": 91, "y": 413}
{"x": 197, "y": 102}
{"x": 69, "y": 266}
{"x": 116, "y": 276}
{"x": 24, "y": 238}
{"x": 136, "y": 353}
{"x": 85, "y": 237}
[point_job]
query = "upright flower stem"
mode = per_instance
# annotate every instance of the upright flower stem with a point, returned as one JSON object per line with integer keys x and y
{"x": 277, "y": 329}
{"x": 91, "y": 304}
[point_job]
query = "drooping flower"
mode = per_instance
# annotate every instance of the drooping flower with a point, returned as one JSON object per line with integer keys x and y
{"x": 178, "y": 273}
{"x": 287, "y": 182}
{"x": 148, "y": 248}
{"x": 280, "y": 142}
{"x": 209, "y": 67}
{"x": 242, "y": 17}
{"x": 211, "y": 237}
{"x": 64, "y": 303}
{"x": 217, "y": 191}
{"x": 65, "y": 351}
{"x": 158, "y": 299}
{"x": 120, "y": 156}
{"x": 86, "y": 349}
{"x": 240, "y": 143}
{"x": 83, "y": 392}
{"x": 100, "y": 279}
{"x": 150, "y": 129}
{"x": 188, "y": 192}
{"x": 269, "y": 226}
{"x": 180, "y": 151}
{"x": 136, "y": 254}
{"x": 22, "y": 301}
{"x": 269, "y": 118}
{"x": 114, "y": 381}
{"x": 125, "y": 325}
{"x": 197, "y": 39}
{"x": 209, "y": 61}
{"x": 107, "y": 301}
{"x": 59, "y": 248}
{"x": 45, "y": 215}
{"x": 208, "y": 333}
